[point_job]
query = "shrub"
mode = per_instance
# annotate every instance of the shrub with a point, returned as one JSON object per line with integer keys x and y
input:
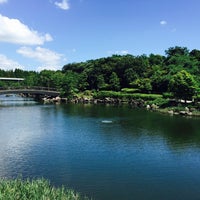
{"x": 129, "y": 90}
{"x": 111, "y": 94}
{"x": 162, "y": 103}
{"x": 167, "y": 95}
{"x": 145, "y": 96}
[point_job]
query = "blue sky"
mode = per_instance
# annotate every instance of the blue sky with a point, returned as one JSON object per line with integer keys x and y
{"x": 46, "y": 34}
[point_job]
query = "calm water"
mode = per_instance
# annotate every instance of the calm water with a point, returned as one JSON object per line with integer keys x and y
{"x": 105, "y": 152}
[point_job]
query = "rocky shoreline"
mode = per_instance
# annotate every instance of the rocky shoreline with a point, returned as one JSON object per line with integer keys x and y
{"x": 134, "y": 103}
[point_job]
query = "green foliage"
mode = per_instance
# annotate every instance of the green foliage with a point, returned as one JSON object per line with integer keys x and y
{"x": 183, "y": 85}
{"x": 100, "y": 82}
{"x": 19, "y": 189}
{"x": 129, "y": 76}
{"x": 148, "y": 74}
{"x": 69, "y": 84}
{"x": 82, "y": 81}
{"x": 196, "y": 54}
{"x": 177, "y": 51}
{"x": 159, "y": 79}
{"x": 167, "y": 95}
{"x": 156, "y": 60}
{"x": 145, "y": 96}
{"x": 197, "y": 97}
{"x": 129, "y": 90}
{"x": 114, "y": 82}
{"x": 143, "y": 84}
{"x": 161, "y": 102}
{"x": 120, "y": 95}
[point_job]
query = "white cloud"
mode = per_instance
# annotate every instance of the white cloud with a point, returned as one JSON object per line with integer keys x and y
{"x": 8, "y": 64}
{"x": 13, "y": 31}
{"x": 163, "y": 23}
{"x": 3, "y": 1}
{"x": 48, "y": 59}
{"x": 64, "y": 5}
{"x": 122, "y": 52}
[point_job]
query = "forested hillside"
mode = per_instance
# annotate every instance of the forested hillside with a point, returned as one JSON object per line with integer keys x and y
{"x": 178, "y": 72}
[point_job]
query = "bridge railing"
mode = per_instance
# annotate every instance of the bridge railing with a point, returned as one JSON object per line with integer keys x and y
{"x": 29, "y": 88}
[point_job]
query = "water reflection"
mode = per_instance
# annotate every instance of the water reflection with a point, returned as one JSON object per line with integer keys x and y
{"x": 140, "y": 154}
{"x": 15, "y": 100}
{"x": 134, "y": 123}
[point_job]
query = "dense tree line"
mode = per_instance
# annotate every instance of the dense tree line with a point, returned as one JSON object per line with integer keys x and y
{"x": 177, "y": 72}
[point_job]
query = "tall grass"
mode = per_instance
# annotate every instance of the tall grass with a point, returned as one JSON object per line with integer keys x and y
{"x": 39, "y": 189}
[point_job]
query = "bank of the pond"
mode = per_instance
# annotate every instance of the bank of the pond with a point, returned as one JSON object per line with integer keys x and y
{"x": 146, "y": 101}
{"x": 19, "y": 189}
{"x": 180, "y": 111}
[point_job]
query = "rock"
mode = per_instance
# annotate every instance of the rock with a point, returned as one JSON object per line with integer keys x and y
{"x": 182, "y": 112}
{"x": 171, "y": 112}
{"x": 192, "y": 109}
{"x": 154, "y": 107}
{"x": 189, "y": 113}
{"x": 187, "y": 109}
{"x": 148, "y": 107}
{"x": 56, "y": 99}
{"x": 86, "y": 100}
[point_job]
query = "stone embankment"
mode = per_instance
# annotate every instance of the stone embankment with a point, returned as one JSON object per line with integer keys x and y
{"x": 135, "y": 103}
{"x": 186, "y": 112}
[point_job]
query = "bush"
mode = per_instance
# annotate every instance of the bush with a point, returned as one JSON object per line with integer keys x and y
{"x": 145, "y": 96}
{"x": 162, "y": 103}
{"x": 168, "y": 95}
{"x": 197, "y": 98}
{"x": 129, "y": 90}
{"x": 111, "y": 94}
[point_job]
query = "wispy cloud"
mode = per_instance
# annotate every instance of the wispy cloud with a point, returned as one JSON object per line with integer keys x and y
{"x": 3, "y": 1}
{"x": 8, "y": 64}
{"x": 163, "y": 22}
{"x": 48, "y": 59}
{"x": 64, "y": 4}
{"x": 14, "y": 31}
{"x": 121, "y": 52}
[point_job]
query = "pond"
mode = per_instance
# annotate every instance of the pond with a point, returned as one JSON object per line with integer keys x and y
{"x": 104, "y": 152}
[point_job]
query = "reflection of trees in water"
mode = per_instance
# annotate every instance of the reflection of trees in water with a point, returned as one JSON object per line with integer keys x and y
{"x": 178, "y": 131}
{"x": 182, "y": 133}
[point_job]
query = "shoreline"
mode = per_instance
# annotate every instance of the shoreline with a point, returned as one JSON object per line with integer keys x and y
{"x": 179, "y": 110}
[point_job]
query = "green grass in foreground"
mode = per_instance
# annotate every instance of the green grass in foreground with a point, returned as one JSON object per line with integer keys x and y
{"x": 39, "y": 189}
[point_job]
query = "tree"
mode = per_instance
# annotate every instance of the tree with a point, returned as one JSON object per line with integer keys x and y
{"x": 177, "y": 51}
{"x": 129, "y": 76}
{"x": 69, "y": 84}
{"x": 143, "y": 84}
{"x": 114, "y": 82}
{"x": 183, "y": 85}
{"x": 45, "y": 78}
{"x": 82, "y": 81}
{"x": 156, "y": 59}
{"x": 159, "y": 79}
{"x": 31, "y": 79}
{"x": 57, "y": 79}
{"x": 195, "y": 53}
{"x": 100, "y": 82}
